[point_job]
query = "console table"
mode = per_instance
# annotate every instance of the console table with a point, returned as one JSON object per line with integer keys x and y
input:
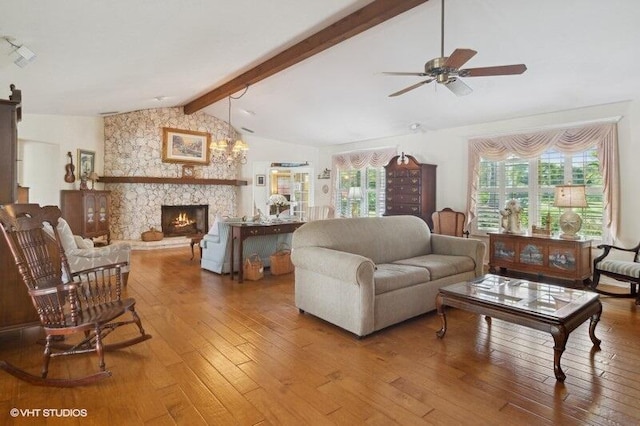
{"x": 242, "y": 231}
{"x": 541, "y": 255}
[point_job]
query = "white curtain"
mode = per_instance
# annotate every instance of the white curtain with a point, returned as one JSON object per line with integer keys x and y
{"x": 530, "y": 145}
{"x": 378, "y": 157}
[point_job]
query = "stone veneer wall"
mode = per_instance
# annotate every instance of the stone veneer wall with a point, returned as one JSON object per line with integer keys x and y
{"x": 133, "y": 147}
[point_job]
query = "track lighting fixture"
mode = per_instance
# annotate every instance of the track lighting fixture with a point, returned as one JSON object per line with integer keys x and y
{"x": 25, "y": 55}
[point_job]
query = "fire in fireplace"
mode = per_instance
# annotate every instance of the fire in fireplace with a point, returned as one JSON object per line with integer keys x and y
{"x": 184, "y": 220}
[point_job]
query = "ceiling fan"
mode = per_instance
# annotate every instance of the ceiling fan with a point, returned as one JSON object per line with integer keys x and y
{"x": 446, "y": 70}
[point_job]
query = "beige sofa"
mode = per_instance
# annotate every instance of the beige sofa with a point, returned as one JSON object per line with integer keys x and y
{"x": 365, "y": 274}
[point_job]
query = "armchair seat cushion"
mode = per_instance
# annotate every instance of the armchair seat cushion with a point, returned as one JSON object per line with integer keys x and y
{"x": 620, "y": 267}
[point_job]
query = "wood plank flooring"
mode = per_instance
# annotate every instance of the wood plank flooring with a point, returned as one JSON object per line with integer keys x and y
{"x": 228, "y": 353}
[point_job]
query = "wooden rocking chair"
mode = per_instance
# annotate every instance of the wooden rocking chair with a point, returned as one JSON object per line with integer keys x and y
{"x": 84, "y": 304}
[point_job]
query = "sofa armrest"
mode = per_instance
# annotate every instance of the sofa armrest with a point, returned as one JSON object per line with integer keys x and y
{"x": 457, "y": 246}
{"x": 343, "y": 266}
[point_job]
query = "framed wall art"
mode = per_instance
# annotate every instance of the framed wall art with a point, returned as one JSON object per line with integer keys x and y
{"x": 261, "y": 180}
{"x": 86, "y": 163}
{"x": 185, "y": 146}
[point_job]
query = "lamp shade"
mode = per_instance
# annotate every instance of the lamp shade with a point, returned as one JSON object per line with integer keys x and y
{"x": 278, "y": 200}
{"x": 93, "y": 176}
{"x": 355, "y": 193}
{"x": 570, "y": 196}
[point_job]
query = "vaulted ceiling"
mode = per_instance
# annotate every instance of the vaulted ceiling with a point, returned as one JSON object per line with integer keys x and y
{"x": 96, "y": 57}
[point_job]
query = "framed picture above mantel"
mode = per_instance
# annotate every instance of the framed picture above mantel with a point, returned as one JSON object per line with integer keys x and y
{"x": 185, "y": 146}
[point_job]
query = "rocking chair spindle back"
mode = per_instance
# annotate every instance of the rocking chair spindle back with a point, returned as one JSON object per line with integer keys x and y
{"x": 86, "y": 303}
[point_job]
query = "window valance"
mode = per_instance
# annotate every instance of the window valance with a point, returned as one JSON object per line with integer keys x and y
{"x": 360, "y": 159}
{"x": 604, "y": 137}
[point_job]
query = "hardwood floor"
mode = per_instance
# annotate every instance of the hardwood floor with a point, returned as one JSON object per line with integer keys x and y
{"x": 229, "y": 353}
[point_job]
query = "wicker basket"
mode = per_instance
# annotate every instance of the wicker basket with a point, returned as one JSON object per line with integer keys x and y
{"x": 281, "y": 261}
{"x": 253, "y": 268}
{"x": 152, "y": 235}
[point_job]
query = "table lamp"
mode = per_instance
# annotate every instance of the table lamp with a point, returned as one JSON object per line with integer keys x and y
{"x": 570, "y": 196}
{"x": 355, "y": 195}
{"x": 93, "y": 177}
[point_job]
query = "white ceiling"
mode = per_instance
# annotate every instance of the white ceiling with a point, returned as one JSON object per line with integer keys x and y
{"x": 96, "y": 56}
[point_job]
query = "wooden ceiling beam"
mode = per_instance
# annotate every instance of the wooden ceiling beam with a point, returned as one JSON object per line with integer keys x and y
{"x": 361, "y": 20}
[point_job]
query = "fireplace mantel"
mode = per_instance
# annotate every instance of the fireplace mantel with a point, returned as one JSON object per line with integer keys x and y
{"x": 168, "y": 180}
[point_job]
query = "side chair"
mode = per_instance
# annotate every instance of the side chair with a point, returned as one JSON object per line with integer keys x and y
{"x": 76, "y": 313}
{"x": 449, "y": 222}
{"x": 621, "y": 270}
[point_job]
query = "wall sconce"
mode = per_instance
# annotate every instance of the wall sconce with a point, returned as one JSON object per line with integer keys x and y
{"x": 570, "y": 196}
{"x": 227, "y": 150}
{"x": 25, "y": 55}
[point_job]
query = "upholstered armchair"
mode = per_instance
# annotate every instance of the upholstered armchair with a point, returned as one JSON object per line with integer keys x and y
{"x": 82, "y": 254}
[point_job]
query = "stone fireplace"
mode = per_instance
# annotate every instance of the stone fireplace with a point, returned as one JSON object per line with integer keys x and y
{"x": 133, "y": 150}
{"x": 183, "y": 220}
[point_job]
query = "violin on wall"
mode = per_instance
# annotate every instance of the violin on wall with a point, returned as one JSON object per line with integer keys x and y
{"x": 70, "y": 168}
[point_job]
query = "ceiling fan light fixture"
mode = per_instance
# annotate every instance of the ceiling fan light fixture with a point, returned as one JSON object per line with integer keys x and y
{"x": 446, "y": 69}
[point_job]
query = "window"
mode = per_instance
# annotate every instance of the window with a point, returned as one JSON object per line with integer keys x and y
{"x": 581, "y": 155}
{"x": 360, "y": 192}
{"x": 359, "y": 185}
{"x": 532, "y": 183}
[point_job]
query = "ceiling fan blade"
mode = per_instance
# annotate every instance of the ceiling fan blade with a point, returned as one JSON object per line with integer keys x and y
{"x": 497, "y": 70}
{"x": 419, "y": 74}
{"x": 414, "y": 86}
{"x": 459, "y": 57}
{"x": 458, "y": 87}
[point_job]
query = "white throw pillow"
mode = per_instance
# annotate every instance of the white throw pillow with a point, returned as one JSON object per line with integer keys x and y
{"x": 66, "y": 235}
{"x": 214, "y": 228}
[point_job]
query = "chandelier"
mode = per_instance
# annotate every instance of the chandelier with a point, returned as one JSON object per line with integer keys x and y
{"x": 225, "y": 150}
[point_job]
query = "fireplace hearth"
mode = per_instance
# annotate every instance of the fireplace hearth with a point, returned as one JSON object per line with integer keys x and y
{"x": 184, "y": 220}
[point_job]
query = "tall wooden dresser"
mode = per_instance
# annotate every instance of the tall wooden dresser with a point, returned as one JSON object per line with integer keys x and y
{"x": 16, "y": 308}
{"x": 410, "y": 188}
{"x": 87, "y": 212}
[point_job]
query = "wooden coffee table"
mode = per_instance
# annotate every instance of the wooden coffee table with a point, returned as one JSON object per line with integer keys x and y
{"x": 544, "y": 307}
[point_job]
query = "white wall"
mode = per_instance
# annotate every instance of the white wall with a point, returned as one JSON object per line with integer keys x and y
{"x": 45, "y": 141}
{"x": 448, "y": 150}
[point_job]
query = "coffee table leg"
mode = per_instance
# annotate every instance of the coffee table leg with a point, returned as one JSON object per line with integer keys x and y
{"x": 560, "y": 337}
{"x": 595, "y": 318}
{"x": 440, "y": 307}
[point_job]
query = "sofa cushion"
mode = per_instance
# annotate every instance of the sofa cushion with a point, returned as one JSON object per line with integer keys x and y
{"x": 441, "y": 265}
{"x": 393, "y": 276}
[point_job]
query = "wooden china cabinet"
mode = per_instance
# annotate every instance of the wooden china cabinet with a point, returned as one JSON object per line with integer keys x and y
{"x": 87, "y": 212}
{"x": 16, "y": 309}
{"x": 410, "y": 188}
